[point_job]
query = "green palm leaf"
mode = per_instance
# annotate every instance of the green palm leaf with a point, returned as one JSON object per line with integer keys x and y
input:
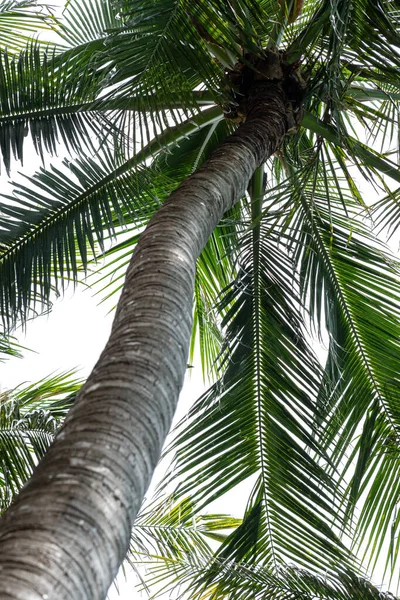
{"x": 64, "y": 216}
{"x": 9, "y": 347}
{"x": 84, "y": 22}
{"x": 337, "y": 254}
{"x": 39, "y": 97}
{"x": 29, "y": 419}
{"x": 20, "y": 20}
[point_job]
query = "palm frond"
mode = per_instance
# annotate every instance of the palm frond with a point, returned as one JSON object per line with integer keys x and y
{"x": 386, "y": 213}
{"x": 39, "y": 97}
{"x": 29, "y": 419}
{"x": 369, "y": 161}
{"x": 171, "y": 553}
{"x": 219, "y": 579}
{"x": 63, "y": 215}
{"x": 165, "y": 533}
{"x": 62, "y": 218}
{"x": 9, "y": 346}
{"x": 350, "y": 280}
{"x": 53, "y": 394}
{"x": 20, "y": 20}
{"x": 151, "y": 61}
{"x": 85, "y": 21}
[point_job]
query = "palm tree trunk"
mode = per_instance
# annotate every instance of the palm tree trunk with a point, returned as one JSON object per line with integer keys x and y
{"x": 67, "y": 533}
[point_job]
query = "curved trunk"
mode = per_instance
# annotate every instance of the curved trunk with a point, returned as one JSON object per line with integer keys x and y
{"x": 67, "y": 533}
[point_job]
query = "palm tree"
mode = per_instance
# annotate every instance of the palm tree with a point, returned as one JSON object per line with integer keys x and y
{"x": 249, "y": 112}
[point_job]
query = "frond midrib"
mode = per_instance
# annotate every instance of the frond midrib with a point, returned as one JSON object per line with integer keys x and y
{"x": 149, "y": 150}
{"x": 348, "y": 315}
{"x": 256, "y": 212}
{"x": 121, "y": 104}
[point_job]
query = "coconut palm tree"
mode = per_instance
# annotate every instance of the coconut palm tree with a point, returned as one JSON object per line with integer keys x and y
{"x": 225, "y": 142}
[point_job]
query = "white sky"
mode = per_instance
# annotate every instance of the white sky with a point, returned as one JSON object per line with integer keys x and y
{"x": 72, "y": 335}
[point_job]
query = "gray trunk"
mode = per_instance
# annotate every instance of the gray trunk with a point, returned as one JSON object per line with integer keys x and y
{"x": 67, "y": 533}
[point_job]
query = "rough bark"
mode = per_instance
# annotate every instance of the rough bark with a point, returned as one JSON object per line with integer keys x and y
{"x": 68, "y": 531}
